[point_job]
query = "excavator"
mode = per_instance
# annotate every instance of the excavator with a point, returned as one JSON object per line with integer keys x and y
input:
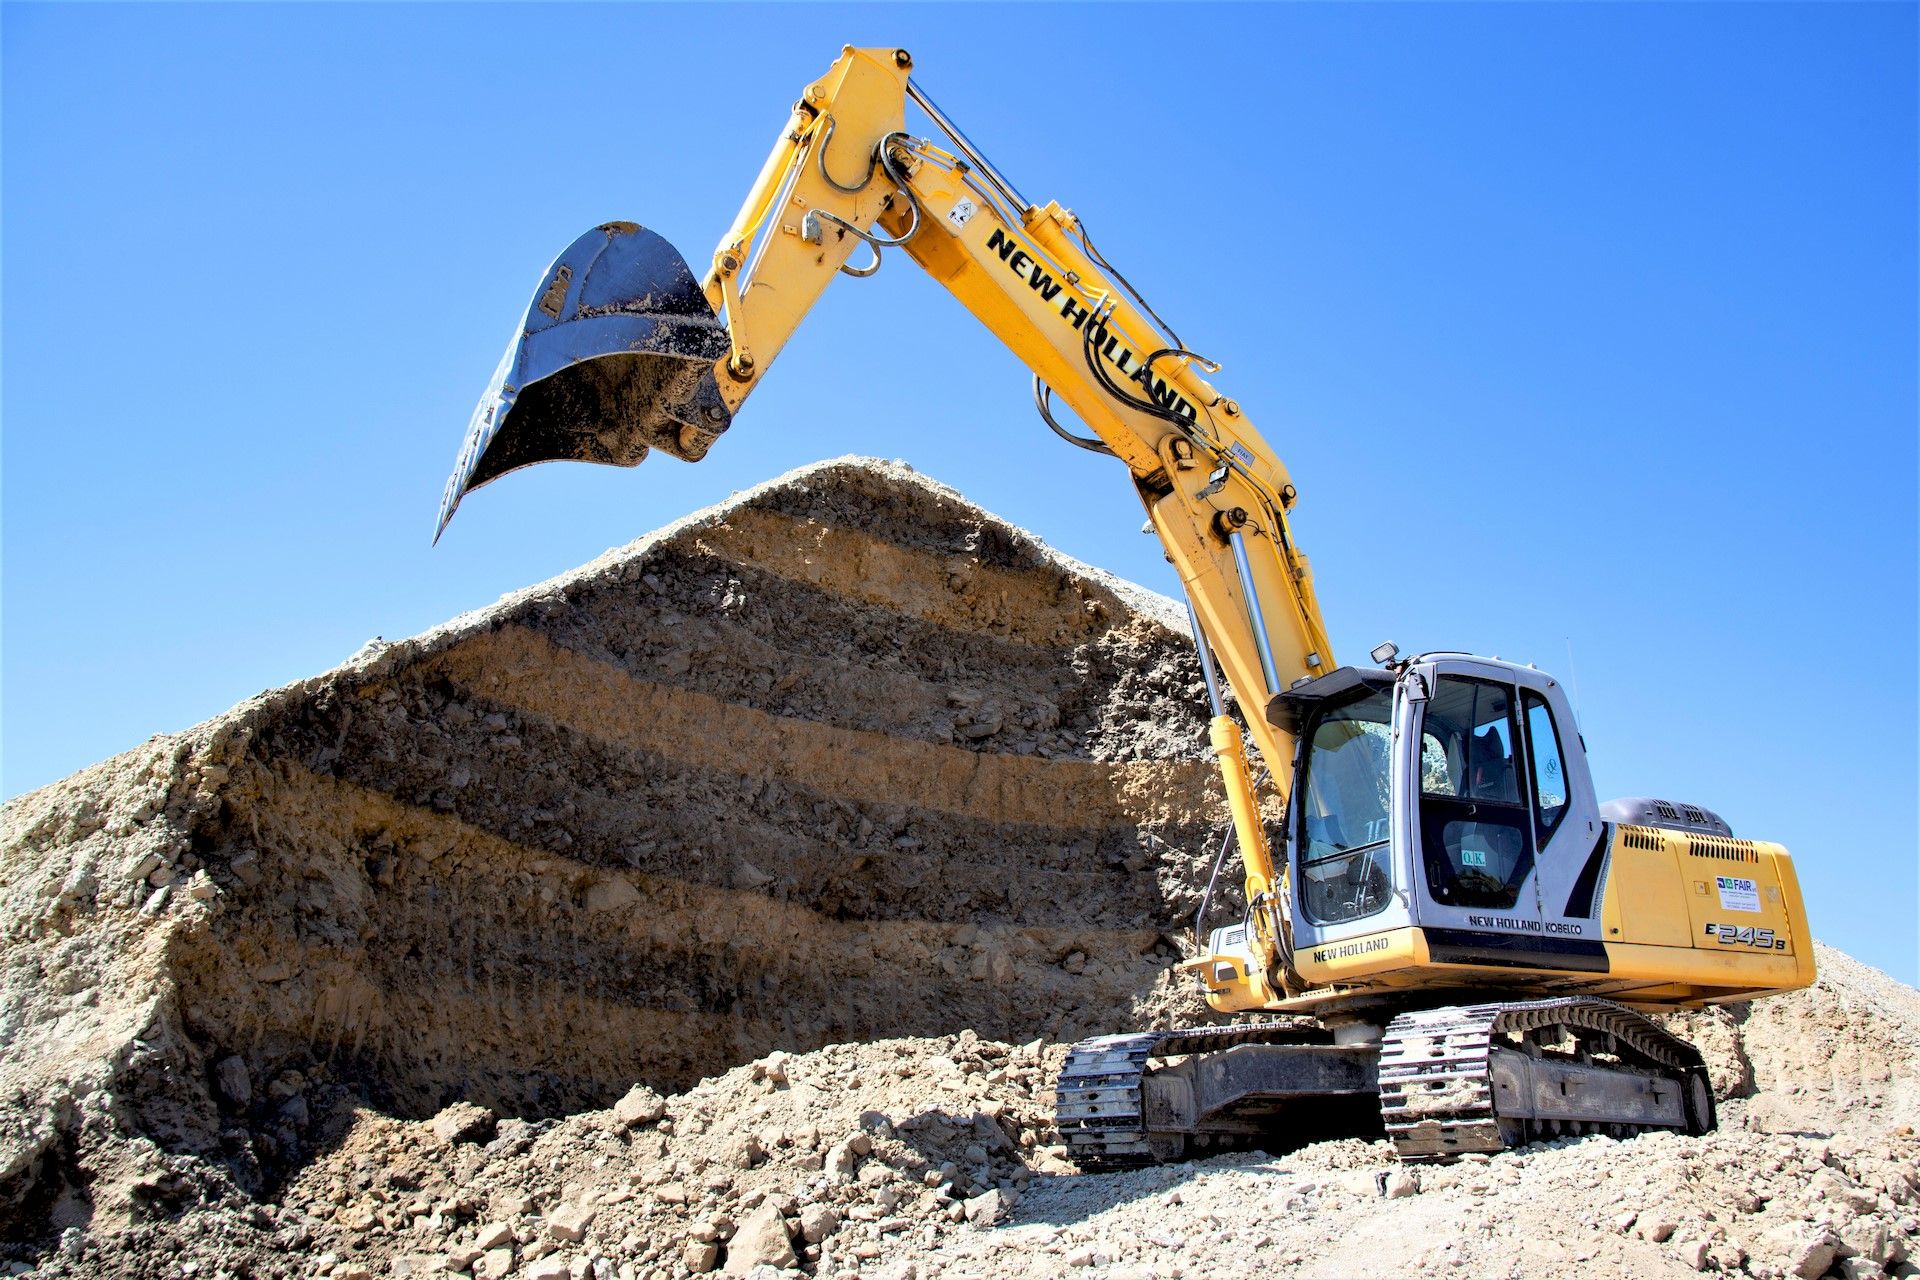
{"x": 1448, "y": 930}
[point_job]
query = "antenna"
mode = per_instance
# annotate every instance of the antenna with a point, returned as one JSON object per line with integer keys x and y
{"x": 1573, "y": 681}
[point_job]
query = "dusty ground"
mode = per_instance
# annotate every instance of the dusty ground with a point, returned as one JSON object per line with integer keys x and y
{"x": 723, "y": 903}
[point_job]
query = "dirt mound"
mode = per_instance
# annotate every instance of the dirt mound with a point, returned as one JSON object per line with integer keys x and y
{"x": 726, "y": 904}
{"x": 935, "y": 1157}
{"x": 1837, "y": 1058}
{"x": 841, "y": 759}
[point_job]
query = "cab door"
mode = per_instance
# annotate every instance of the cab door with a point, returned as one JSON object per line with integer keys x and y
{"x": 1474, "y": 833}
{"x": 1570, "y": 841}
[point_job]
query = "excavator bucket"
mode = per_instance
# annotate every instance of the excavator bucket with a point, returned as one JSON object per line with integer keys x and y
{"x": 615, "y": 357}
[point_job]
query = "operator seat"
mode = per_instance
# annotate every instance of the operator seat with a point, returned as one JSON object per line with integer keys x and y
{"x": 1492, "y": 777}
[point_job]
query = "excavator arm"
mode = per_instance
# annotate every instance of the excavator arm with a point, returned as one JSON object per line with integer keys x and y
{"x": 622, "y": 351}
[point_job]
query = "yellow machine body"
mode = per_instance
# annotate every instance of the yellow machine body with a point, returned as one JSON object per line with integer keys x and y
{"x": 1668, "y": 940}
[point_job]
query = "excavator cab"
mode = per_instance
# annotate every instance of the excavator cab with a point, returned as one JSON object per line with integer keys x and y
{"x": 614, "y": 357}
{"x": 1452, "y": 794}
{"x": 1444, "y": 832}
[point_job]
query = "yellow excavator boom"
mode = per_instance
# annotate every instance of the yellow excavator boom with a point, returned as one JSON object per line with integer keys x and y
{"x": 844, "y": 183}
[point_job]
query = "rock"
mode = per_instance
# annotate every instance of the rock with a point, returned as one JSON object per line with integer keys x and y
{"x": 817, "y": 1222}
{"x": 1693, "y": 1253}
{"x": 552, "y": 1267}
{"x": 493, "y": 1235}
{"x": 1807, "y": 1251}
{"x": 245, "y": 867}
{"x": 273, "y": 971}
{"x": 231, "y": 1079}
{"x": 1837, "y": 1190}
{"x": 569, "y": 1222}
{"x": 1398, "y": 1182}
{"x": 1864, "y": 1237}
{"x": 841, "y": 1163}
{"x": 988, "y": 1207}
{"x": 762, "y": 1240}
{"x": 700, "y": 1256}
{"x": 494, "y": 1264}
{"x": 463, "y": 1122}
{"x": 639, "y": 1106}
{"x": 611, "y": 895}
{"x": 511, "y": 1204}
{"x": 1662, "y": 1230}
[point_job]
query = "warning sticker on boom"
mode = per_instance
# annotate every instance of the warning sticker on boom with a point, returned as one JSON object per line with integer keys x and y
{"x": 1737, "y": 894}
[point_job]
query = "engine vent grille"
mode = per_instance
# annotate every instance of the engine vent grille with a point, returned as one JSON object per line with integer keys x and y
{"x": 1723, "y": 849}
{"x": 1647, "y": 838}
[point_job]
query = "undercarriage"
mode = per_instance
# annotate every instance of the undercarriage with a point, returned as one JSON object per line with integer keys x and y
{"x": 1442, "y": 1082}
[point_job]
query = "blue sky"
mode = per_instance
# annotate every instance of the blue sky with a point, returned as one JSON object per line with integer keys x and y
{"x": 1581, "y": 327}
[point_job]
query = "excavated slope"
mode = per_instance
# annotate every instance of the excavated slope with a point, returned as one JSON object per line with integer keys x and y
{"x": 842, "y": 758}
{"x": 802, "y": 833}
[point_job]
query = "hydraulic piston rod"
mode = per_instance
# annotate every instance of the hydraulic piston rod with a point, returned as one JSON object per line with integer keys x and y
{"x": 1238, "y": 541}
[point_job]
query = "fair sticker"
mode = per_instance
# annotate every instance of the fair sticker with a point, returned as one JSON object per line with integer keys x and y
{"x": 1737, "y": 894}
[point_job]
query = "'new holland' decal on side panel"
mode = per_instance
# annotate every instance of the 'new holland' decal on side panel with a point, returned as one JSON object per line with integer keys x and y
{"x": 1076, "y": 314}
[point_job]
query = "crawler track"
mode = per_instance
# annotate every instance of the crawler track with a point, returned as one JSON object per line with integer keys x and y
{"x": 1098, "y": 1093}
{"x": 1453, "y": 1080}
{"x": 1445, "y": 1090}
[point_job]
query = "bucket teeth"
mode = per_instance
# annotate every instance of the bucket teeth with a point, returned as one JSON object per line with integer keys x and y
{"x": 614, "y": 357}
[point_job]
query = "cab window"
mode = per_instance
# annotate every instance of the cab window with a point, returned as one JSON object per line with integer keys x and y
{"x": 1344, "y": 812}
{"x": 1549, "y": 772}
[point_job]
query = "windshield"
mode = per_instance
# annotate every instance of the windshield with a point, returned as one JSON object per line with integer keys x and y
{"x": 1345, "y": 817}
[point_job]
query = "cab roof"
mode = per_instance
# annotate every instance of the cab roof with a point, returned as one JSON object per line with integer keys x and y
{"x": 1287, "y": 710}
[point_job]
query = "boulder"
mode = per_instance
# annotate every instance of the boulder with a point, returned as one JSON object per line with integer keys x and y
{"x": 761, "y": 1240}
